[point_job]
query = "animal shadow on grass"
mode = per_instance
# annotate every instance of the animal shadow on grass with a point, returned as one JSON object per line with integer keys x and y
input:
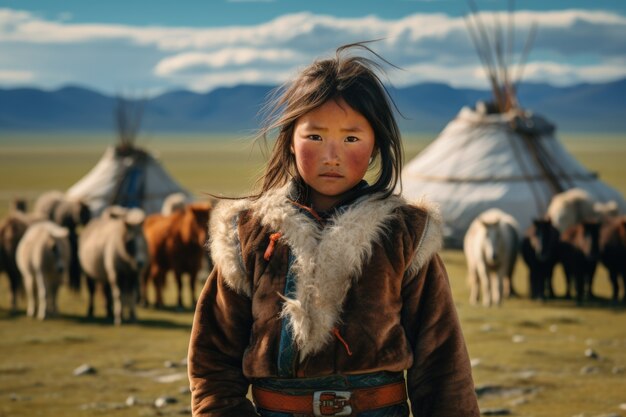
{"x": 10, "y": 314}
{"x": 171, "y": 309}
{"x": 107, "y": 321}
{"x": 7, "y": 314}
{"x": 596, "y": 302}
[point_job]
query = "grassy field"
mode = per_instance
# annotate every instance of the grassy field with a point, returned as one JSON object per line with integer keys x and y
{"x": 529, "y": 357}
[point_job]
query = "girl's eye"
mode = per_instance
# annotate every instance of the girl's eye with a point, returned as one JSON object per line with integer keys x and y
{"x": 352, "y": 139}
{"x": 314, "y": 137}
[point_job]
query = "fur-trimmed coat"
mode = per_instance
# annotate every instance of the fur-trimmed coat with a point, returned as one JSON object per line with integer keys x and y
{"x": 371, "y": 273}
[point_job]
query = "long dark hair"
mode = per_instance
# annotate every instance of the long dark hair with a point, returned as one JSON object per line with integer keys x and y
{"x": 349, "y": 77}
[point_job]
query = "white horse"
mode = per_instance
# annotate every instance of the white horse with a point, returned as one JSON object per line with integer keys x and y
{"x": 490, "y": 245}
{"x": 113, "y": 252}
{"x": 43, "y": 258}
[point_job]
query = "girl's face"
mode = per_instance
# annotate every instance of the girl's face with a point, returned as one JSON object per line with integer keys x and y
{"x": 332, "y": 145}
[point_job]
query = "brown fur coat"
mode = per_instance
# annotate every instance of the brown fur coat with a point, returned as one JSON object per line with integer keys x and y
{"x": 372, "y": 272}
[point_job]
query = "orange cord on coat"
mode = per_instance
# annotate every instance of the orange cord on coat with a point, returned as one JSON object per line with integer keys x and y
{"x": 270, "y": 248}
{"x": 342, "y": 340}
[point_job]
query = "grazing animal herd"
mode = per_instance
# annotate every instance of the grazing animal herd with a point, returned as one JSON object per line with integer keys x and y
{"x": 576, "y": 233}
{"x": 121, "y": 251}
{"x": 124, "y": 251}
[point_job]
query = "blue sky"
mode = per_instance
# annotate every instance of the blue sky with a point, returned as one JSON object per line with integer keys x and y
{"x": 147, "y": 47}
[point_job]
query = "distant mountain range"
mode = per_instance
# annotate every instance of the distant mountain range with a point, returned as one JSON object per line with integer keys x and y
{"x": 426, "y": 107}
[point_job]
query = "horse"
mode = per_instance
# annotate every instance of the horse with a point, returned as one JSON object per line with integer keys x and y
{"x": 176, "y": 242}
{"x": 69, "y": 213}
{"x": 12, "y": 229}
{"x": 571, "y": 207}
{"x": 539, "y": 249}
{"x": 112, "y": 251}
{"x": 43, "y": 258}
{"x": 579, "y": 253}
{"x": 613, "y": 252}
{"x": 490, "y": 245}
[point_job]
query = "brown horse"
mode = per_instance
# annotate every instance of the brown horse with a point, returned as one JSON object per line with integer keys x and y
{"x": 579, "y": 254}
{"x": 175, "y": 242}
{"x": 613, "y": 252}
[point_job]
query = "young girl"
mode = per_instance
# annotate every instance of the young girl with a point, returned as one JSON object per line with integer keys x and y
{"x": 326, "y": 289}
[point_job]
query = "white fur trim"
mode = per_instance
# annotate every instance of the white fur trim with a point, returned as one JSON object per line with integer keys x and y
{"x": 327, "y": 260}
{"x": 225, "y": 246}
{"x": 431, "y": 241}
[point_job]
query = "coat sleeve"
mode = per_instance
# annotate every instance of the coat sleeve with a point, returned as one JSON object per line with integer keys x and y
{"x": 440, "y": 380}
{"x": 219, "y": 337}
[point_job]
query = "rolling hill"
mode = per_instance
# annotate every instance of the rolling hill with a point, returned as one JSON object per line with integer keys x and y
{"x": 425, "y": 107}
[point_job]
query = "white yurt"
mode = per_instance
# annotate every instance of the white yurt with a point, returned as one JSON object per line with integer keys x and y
{"x": 485, "y": 159}
{"x": 126, "y": 175}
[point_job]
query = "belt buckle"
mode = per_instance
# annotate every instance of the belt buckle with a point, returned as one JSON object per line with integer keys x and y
{"x": 331, "y": 403}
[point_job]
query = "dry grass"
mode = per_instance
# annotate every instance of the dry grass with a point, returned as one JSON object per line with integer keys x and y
{"x": 531, "y": 354}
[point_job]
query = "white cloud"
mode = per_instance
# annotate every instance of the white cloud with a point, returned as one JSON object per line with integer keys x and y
{"x": 561, "y": 18}
{"x": 560, "y": 74}
{"x": 236, "y": 57}
{"x": 25, "y": 27}
{"x": 16, "y": 77}
{"x": 471, "y": 75}
{"x": 572, "y": 45}
{"x": 231, "y": 78}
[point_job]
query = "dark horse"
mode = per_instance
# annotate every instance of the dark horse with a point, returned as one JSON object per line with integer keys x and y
{"x": 579, "y": 253}
{"x": 12, "y": 228}
{"x": 613, "y": 252}
{"x": 540, "y": 252}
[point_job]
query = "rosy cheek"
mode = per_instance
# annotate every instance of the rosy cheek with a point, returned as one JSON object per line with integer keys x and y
{"x": 305, "y": 159}
{"x": 358, "y": 159}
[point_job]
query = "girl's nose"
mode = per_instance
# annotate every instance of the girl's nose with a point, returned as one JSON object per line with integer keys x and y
{"x": 331, "y": 154}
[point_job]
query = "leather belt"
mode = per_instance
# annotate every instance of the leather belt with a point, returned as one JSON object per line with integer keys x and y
{"x": 331, "y": 402}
